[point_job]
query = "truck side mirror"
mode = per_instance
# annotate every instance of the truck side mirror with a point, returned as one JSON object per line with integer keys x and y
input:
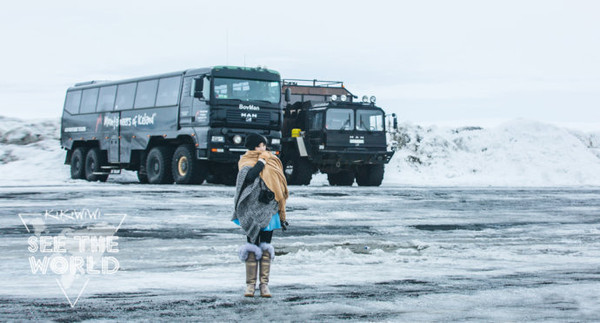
{"x": 395, "y": 121}
{"x": 198, "y": 86}
{"x": 288, "y": 95}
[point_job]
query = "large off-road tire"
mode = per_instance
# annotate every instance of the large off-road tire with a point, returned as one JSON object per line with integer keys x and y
{"x": 225, "y": 174}
{"x": 94, "y": 160}
{"x": 298, "y": 171}
{"x": 158, "y": 165}
{"x": 229, "y": 179}
{"x": 78, "y": 163}
{"x": 185, "y": 168}
{"x": 142, "y": 177}
{"x": 341, "y": 178}
{"x": 370, "y": 175}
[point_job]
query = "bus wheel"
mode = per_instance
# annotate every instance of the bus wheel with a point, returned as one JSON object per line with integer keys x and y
{"x": 341, "y": 178}
{"x": 298, "y": 171}
{"x": 158, "y": 165}
{"x": 94, "y": 160}
{"x": 185, "y": 168}
{"x": 369, "y": 175}
{"x": 78, "y": 163}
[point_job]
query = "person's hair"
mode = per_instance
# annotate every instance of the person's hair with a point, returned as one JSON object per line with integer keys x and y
{"x": 253, "y": 140}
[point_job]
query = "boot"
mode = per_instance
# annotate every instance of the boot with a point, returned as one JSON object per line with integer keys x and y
{"x": 251, "y": 266}
{"x": 265, "y": 266}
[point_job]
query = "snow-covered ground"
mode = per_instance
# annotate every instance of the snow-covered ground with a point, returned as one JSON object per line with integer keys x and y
{"x": 368, "y": 254}
{"x": 406, "y": 251}
{"x": 517, "y": 153}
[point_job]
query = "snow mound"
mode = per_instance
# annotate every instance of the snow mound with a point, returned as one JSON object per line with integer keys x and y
{"x": 30, "y": 152}
{"x": 517, "y": 153}
{"x": 17, "y": 132}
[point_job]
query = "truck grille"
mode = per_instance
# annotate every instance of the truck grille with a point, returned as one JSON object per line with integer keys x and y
{"x": 238, "y": 117}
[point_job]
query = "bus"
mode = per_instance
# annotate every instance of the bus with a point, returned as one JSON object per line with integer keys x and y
{"x": 184, "y": 127}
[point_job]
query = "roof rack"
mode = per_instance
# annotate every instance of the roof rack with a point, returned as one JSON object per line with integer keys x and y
{"x": 315, "y": 82}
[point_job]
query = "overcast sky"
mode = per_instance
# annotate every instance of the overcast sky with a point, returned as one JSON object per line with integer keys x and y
{"x": 427, "y": 61}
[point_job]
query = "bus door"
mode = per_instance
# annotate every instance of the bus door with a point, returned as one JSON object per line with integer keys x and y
{"x": 194, "y": 106}
{"x": 186, "y": 117}
{"x": 114, "y": 138}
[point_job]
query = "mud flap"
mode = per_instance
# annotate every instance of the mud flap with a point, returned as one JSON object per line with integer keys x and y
{"x": 301, "y": 147}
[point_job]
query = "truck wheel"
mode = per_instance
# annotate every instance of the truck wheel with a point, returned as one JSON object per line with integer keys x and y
{"x": 94, "y": 160}
{"x": 298, "y": 171}
{"x": 158, "y": 165}
{"x": 213, "y": 179}
{"x": 229, "y": 179}
{"x": 142, "y": 177}
{"x": 78, "y": 163}
{"x": 369, "y": 175}
{"x": 185, "y": 168}
{"x": 341, "y": 178}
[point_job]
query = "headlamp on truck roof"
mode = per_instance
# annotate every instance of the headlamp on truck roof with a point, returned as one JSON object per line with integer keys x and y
{"x": 365, "y": 99}
{"x": 334, "y": 97}
{"x": 237, "y": 139}
{"x": 373, "y": 99}
{"x": 343, "y": 97}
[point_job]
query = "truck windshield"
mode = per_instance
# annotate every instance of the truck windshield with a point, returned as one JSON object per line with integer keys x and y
{"x": 247, "y": 90}
{"x": 369, "y": 120}
{"x": 340, "y": 119}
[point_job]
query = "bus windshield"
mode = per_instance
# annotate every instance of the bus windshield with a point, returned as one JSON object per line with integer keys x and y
{"x": 247, "y": 90}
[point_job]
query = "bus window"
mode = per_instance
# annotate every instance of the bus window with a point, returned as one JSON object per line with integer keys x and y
{"x": 146, "y": 94}
{"x": 73, "y": 100}
{"x": 167, "y": 91}
{"x": 106, "y": 99}
{"x": 89, "y": 100}
{"x": 125, "y": 95}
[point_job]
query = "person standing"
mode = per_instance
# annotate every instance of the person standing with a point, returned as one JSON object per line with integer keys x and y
{"x": 260, "y": 197}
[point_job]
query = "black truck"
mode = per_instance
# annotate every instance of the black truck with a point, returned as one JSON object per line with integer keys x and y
{"x": 325, "y": 130}
{"x": 181, "y": 127}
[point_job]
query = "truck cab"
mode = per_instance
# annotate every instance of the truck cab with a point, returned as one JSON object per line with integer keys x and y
{"x": 325, "y": 129}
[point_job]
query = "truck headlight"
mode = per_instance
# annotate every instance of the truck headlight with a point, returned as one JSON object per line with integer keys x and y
{"x": 275, "y": 141}
{"x": 217, "y": 139}
{"x": 237, "y": 139}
